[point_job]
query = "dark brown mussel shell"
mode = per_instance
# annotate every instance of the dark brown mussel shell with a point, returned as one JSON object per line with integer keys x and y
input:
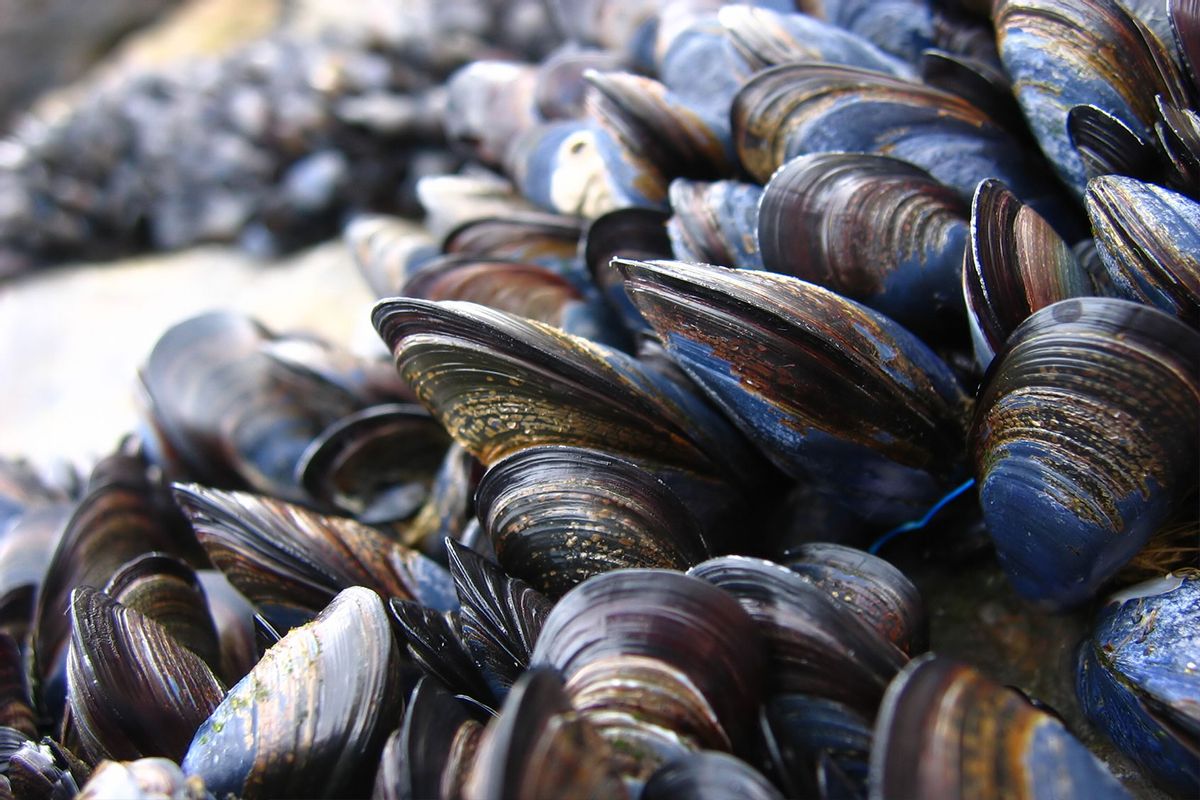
{"x": 625, "y": 233}
{"x": 431, "y": 752}
{"x": 144, "y": 779}
{"x": 815, "y": 644}
{"x": 981, "y": 82}
{"x": 1107, "y": 146}
{"x": 560, "y": 515}
{"x": 500, "y": 617}
{"x": 1149, "y": 240}
{"x": 1014, "y": 265}
{"x": 794, "y": 109}
{"x": 123, "y": 515}
{"x": 1100, "y": 54}
{"x": 387, "y": 250}
{"x": 1179, "y": 136}
{"x": 766, "y": 38}
{"x": 829, "y": 389}
{"x": 946, "y": 730}
{"x": 662, "y": 662}
{"x": 540, "y": 747}
{"x": 290, "y": 562}
{"x": 132, "y": 689}
{"x": 224, "y": 412}
{"x": 169, "y": 592}
{"x": 874, "y": 590}
{"x": 528, "y": 237}
{"x": 311, "y": 718}
{"x": 1066, "y": 500}
{"x": 500, "y": 383}
{"x": 16, "y": 710}
{"x": 708, "y": 775}
{"x": 714, "y": 223}
{"x": 872, "y": 228}
{"x": 377, "y": 464}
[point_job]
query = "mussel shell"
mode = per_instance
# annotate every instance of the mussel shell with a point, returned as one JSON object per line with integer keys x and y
{"x": 816, "y": 745}
{"x": 233, "y": 616}
{"x": 560, "y": 89}
{"x": 46, "y": 771}
{"x": 765, "y": 38}
{"x": 224, "y": 412}
{"x": 1106, "y": 145}
{"x": 1062, "y": 54}
{"x": 430, "y": 754}
{"x": 540, "y": 746}
{"x": 376, "y": 464}
{"x": 169, "y": 592}
{"x": 1149, "y": 240}
{"x": 1066, "y": 501}
{"x": 25, "y": 548}
{"x": 684, "y": 624}
{"x": 311, "y": 718}
{"x": 708, "y": 775}
{"x": 452, "y": 202}
{"x": 874, "y": 590}
{"x": 559, "y": 515}
{"x": 123, "y": 515}
{"x": 626, "y": 233}
{"x": 500, "y": 383}
{"x": 872, "y": 228}
{"x": 795, "y": 109}
{"x": 815, "y": 644}
{"x": 1138, "y": 680}
{"x": 282, "y": 556}
{"x": 488, "y": 104}
{"x": 387, "y": 250}
{"x": 714, "y": 223}
{"x": 946, "y": 730}
{"x": 435, "y": 644}
{"x": 827, "y": 388}
{"x": 500, "y": 618}
{"x": 133, "y": 690}
{"x": 1179, "y": 136}
{"x": 144, "y": 779}
{"x": 1015, "y": 264}
{"x": 530, "y": 237}
{"x": 16, "y": 712}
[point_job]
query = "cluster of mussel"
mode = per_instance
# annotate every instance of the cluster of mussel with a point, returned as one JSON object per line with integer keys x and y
{"x": 576, "y": 542}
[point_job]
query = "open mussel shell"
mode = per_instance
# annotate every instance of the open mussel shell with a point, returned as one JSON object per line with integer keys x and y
{"x": 223, "y": 411}
{"x": 376, "y": 464}
{"x": 1014, "y": 265}
{"x": 874, "y": 590}
{"x": 1100, "y": 55}
{"x": 1108, "y": 146}
{"x": 766, "y": 38}
{"x": 500, "y": 383}
{"x": 815, "y": 645}
{"x": 291, "y": 561}
{"x": 872, "y": 228}
{"x": 132, "y": 689}
{"x": 500, "y": 617}
{"x": 143, "y": 779}
{"x": 559, "y": 515}
{"x": 794, "y": 109}
{"x": 169, "y": 592}
{"x": 1067, "y": 502}
{"x": 1138, "y": 679}
{"x": 946, "y": 730}
{"x": 122, "y": 515}
{"x": 656, "y": 649}
{"x": 1149, "y": 240}
{"x": 540, "y": 746}
{"x": 714, "y": 223}
{"x": 311, "y": 718}
{"x": 816, "y": 746}
{"x": 431, "y": 752}
{"x": 387, "y": 250}
{"x": 708, "y": 775}
{"x": 826, "y": 387}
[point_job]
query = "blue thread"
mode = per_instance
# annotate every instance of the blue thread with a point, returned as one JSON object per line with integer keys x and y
{"x": 913, "y": 525}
